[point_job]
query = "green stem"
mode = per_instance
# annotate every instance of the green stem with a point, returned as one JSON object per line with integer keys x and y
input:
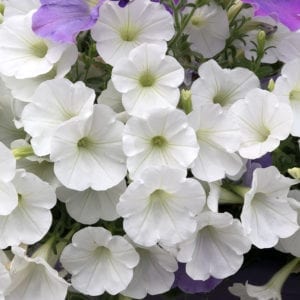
{"x": 239, "y": 190}
{"x": 228, "y": 197}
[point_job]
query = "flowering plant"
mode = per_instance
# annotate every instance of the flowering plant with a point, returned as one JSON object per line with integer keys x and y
{"x": 147, "y": 146}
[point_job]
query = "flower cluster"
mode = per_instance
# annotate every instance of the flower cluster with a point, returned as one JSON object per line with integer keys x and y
{"x": 146, "y": 145}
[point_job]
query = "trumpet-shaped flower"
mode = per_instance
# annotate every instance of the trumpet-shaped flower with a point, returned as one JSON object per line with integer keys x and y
{"x": 267, "y": 214}
{"x": 227, "y": 87}
{"x": 99, "y": 262}
{"x": 55, "y": 102}
{"x": 263, "y": 123}
{"x": 16, "y": 7}
{"x": 154, "y": 273}
{"x": 34, "y": 278}
{"x": 22, "y": 53}
{"x": 61, "y": 21}
{"x": 32, "y": 218}
{"x": 217, "y": 247}
{"x": 208, "y": 29}
{"x": 148, "y": 79}
{"x": 218, "y": 139}
{"x": 162, "y": 138}
{"x": 287, "y": 89}
{"x": 87, "y": 153}
{"x": 160, "y": 206}
{"x": 88, "y": 206}
{"x": 119, "y": 30}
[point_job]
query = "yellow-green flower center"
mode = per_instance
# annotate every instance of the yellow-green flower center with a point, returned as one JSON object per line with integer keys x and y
{"x": 295, "y": 95}
{"x": 158, "y": 141}
{"x": 128, "y": 32}
{"x": 39, "y": 49}
{"x": 197, "y": 21}
{"x": 147, "y": 79}
{"x": 159, "y": 195}
{"x": 83, "y": 143}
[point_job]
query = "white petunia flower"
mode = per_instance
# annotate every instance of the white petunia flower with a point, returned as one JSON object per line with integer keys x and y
{"x": 23, "y": 89}
{"x": 112, "y": 98}
{"x": 221, "y": 86}
{"x": 5, "y": 279}
{"x": 8, "y": 130}
{"x": 33, "y": 278}
{"x": 208, "y": 29}
{"x": 281, "y": 43}
{"x": 22, "y": 53}
{"x": 148, "y": 79}
{"x": 269, "y": 291}
{"x": 16, "y": 7}
{"x": 32, "y": 218}
{"x": 153, "y": 275}
{"x": 55, "y": 102}
{"x": 218, "y": 139}
{"x": 162, "y": 138}
{"x": 287, "y": 89}
{"x": 8, "y": 193}
{"x": 88, "y": 206}
{"x": 217, "y": 247}
{"x": 87, "y": 153}
{"x": 99, "y": 262}
{"x": 160, "y": 206}
{"x": 267, "y": 214}
{"x": 120, "y": 29}
{"x": 263, "y": 122}
{"x": 292, "y": 243}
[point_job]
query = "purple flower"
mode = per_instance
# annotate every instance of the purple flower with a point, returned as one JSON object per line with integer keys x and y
{"x": 286, "y": 12}
{"x": 62, "y": 20}
{"x": 262, "y": 162}
{"x": 190, "y": 286}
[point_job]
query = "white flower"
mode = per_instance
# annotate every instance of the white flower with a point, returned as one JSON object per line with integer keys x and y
{"x": 99, "y": 262}
{"x": 120, "y": 29}
{"x": 32, "y": 218}
{"x": 267, "y": 214}
{"x": 23, "y": 89}
{"x": 22, "y": 53}
{"x": 160, "y": 206}
{"x": 88, "y": 206}
{"x": 5, "y": 279}
{"x": 55, "y": 102}
{"x": 218, "y": 139}
{"x": 263, "y": 122}
{"x": 112, "y": 98}
{"x": 269, "y": 291}
{"x": 221, "y": 86}
{"x": 208, "y": 29}
{"x": 153, "y": 275}
{"x": 8, "y": 130}
{"x": 87, "y": 153}
{"x": 217, "y": 247}
{"x": 8, "y": 193}
{"x": 292, "y": 243}
{"x": 287, "y": 89}
{"x": 16, "y": 7}
{"x": 281, "y": 43}
{"x": 33, "y": 278}
{"x": 148, "y": 79}
{"x": 162, "y": 138}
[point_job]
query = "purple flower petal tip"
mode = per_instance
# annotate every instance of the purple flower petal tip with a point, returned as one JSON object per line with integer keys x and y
{"x": 61, "y": 21}
{"x": 190, "y": 286}
{"x": 286, "y": 12}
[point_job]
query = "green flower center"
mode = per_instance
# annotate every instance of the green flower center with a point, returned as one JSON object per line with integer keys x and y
{"x": 147, "y": 79}
{"x": 197, "y": 21}
{"x": 220, "y": 99}
{"x": 2, "y": 7}
{"x": 39, "y": 49}
{"x": 159, "y": 195}
{"x": 294, "y": 95}
{"x": 158, "y": 141}
{"x": 84, "y": 143}
{"x": 129, "y": 32}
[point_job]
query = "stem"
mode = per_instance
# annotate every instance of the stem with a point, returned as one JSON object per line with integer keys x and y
{"x": 239, "y": 190}
{"x": 228, "y": 197}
